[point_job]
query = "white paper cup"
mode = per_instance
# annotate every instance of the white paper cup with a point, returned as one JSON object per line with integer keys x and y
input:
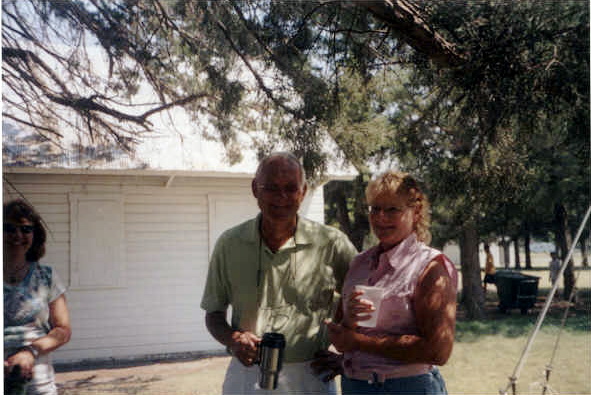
{"x": 375, "y": 296}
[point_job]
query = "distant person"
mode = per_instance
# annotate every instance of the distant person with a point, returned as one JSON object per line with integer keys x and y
{"x": 279, "y": 272}
{"x": 416, "y": 321}
{"x": 489, "y": 268}
{"x": 554, "y": 267}
{"x": 36, "y": 318}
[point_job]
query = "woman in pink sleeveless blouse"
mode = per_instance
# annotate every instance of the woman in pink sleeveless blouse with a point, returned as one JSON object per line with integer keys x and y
{"x": 415, "y": 325}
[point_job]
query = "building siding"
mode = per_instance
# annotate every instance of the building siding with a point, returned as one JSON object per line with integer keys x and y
{"x": 166, "y": 250}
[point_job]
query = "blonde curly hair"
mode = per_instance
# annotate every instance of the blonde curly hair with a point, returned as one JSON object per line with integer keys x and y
{"x": 395, "y": 183}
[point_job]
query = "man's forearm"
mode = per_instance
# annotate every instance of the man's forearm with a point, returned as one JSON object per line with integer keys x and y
{"x": 242, "y": 345}
{"x": 218, "y": 327}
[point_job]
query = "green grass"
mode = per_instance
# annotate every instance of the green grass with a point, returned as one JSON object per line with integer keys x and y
{"x": 518, "y": 325}
{"x": 483, "y": 366}
{"x": 486, "y": 352}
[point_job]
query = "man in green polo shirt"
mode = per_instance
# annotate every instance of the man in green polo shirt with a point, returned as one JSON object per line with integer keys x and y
{"x": 279, "y": 272}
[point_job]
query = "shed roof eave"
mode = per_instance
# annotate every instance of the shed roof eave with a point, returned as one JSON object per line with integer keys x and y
{"x": 146, "y": 172}
{"x": 125, "y": 172}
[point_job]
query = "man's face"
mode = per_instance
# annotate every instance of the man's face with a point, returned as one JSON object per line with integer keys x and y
{"x": 279, "y": 190}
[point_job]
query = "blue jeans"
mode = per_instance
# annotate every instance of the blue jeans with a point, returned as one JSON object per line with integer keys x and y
{"x": 431, "y": 383}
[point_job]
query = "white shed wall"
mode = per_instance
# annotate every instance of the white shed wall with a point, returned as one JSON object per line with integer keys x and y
{"x": 166, "y": 232}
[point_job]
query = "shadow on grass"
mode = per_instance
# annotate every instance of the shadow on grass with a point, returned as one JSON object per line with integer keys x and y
{"x": 513, "y": 324}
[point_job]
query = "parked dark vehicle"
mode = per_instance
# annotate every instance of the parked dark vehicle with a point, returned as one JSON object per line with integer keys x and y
{"x": 516, "y": 290}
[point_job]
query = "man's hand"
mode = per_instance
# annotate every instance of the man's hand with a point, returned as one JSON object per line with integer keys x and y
{"x": 327, "y": 364}
{"x": 244, "y": 346}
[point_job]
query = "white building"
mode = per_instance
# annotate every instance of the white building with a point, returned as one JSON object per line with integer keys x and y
{"x": 133, "y": 248}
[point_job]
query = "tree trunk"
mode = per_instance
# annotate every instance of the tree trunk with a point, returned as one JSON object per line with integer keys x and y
{"x": 339, "y": 193}
{"x": 506, "y": 244}
{"x": 517, "y": 259}
{"x": 360, "y": 227}
{"x": 563, "y": 238}
{"x": 339, "y": 197}
{"x": 526, "y": 245}
{"x": 584, "y": 252}
{"x": 472, "y": 294}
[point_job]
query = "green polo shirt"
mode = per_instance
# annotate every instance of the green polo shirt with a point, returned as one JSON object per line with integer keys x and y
{"x": 291, "y": 291}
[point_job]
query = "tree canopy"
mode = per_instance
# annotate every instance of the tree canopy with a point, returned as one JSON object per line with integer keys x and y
{"x": 488, "y": 101}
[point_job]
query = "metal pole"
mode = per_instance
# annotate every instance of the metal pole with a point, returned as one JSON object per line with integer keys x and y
{"x": 544, "y": 311}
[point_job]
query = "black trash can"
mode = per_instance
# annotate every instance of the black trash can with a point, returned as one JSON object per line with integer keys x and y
{"x": 516, "y": 290}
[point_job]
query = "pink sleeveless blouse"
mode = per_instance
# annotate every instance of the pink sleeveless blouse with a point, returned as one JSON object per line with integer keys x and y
{"x": 397, "y": 271}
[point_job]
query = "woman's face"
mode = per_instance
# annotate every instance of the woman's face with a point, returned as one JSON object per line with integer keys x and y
{"x": 18, "y": 235}
{"x": 392, "y": 219}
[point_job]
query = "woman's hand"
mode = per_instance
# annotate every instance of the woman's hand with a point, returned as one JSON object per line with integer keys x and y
{"x": 342, "y": 337}
{"x": 358, "y": 309}
{"x": 25, "y": 359}
{"x": 244, "y": 346}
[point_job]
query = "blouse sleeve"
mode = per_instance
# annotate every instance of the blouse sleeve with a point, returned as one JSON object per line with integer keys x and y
{"x": 57, "y": 287}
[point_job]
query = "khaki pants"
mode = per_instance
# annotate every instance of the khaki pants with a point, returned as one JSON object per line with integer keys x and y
{"x": 294, "y": 378}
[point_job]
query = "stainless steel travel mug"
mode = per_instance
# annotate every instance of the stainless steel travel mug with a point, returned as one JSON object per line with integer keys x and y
{"x": 271, "y": 351}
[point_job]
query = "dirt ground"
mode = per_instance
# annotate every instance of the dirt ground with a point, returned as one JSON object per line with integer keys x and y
{"x": 203, "y": 376}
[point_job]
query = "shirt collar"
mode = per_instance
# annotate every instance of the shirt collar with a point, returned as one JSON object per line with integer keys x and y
{"x": 304, "y": 233}
{"x": 405, "y": 247}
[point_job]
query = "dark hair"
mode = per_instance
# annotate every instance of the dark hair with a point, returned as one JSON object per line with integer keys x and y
{"x": 18, "y": 209}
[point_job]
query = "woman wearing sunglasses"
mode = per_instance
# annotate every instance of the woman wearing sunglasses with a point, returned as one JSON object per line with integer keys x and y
{"x": 414, "y": 331}
{"x": 36, "y": 318}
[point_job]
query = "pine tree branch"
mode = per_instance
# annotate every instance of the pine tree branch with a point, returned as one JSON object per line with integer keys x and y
{"x": 408, "y": 23}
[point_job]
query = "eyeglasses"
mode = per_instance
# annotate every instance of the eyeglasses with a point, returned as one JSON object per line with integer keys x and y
{"x": 11, "y": 228}
{"x": 275, "y": 190}
{"x": 389, "y": 212}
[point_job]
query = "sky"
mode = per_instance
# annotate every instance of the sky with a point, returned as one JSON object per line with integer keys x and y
{"x": 174, "y": 143}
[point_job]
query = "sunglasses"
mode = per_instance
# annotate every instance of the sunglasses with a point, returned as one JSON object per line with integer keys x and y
{"x": 387, "y": 211}
{"x": 11, "y": 228}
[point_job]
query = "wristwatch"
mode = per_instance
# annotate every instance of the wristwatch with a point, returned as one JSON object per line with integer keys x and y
{"x": 31, "y": 349}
